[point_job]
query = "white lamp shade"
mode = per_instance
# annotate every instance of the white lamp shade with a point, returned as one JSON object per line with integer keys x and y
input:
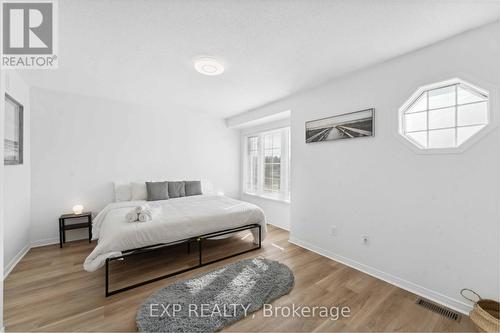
{"x": 77, "y": 209}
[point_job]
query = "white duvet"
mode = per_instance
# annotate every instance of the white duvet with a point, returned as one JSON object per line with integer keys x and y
{"x": 178, "y": 219}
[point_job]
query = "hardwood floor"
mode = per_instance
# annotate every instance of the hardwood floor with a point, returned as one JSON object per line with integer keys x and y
{"x": 49, "y": 291}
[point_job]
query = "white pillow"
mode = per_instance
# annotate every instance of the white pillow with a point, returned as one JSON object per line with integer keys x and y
{"x": 122, "y": 192}
{"x": 139, "y": 191}
{"x": 207, "y": 187}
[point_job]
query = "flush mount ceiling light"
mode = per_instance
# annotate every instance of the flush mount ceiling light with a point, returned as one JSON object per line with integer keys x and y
{"x": 208, "y": 66}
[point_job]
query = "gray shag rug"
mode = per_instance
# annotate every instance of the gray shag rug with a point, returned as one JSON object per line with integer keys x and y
{"x": 213, "y": 300}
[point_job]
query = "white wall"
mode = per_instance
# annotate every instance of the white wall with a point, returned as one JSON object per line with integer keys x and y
{"x": 277, "y": 212}
{"x": 17, "y": 187}
{"x": 2, "y": 235}
{"x": 432, "y": 220}
{"x": 80, "y": 145}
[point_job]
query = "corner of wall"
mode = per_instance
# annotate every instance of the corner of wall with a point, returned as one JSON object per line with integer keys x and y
{"x": 17, "y": 182}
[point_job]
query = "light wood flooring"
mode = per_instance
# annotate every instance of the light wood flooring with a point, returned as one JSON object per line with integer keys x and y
{"x": 49, "y": 291}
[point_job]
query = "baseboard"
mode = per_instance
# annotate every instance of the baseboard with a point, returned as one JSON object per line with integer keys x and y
{"x": 52, "y": 241}
{"x": 389, "y": 278}
{"x": 10, "y": 266}
{"x": 44, "y": 242}
{"x": 22, "y": 253}
{"x": 278, "y": 226}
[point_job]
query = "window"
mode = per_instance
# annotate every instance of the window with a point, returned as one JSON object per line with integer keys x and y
{"x": 267, "y": 164}
{"x": 444, "y": 115}
{"x": 253, "y": 164}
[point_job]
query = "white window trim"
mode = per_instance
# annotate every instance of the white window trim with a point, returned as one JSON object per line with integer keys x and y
{"x": 266, "y": 197}
{"x": 493, "y": 102}
{"x": 284, "y": 194}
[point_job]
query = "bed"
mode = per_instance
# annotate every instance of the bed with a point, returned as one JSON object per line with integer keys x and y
{"x": 178, "y": 220}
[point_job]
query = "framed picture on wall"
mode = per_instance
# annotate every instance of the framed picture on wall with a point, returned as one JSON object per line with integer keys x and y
{"x": 345, "y": 126}
{"x": 13, "y": 137}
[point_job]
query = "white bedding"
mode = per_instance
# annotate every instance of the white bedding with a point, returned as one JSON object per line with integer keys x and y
{"x": 179, "y": 218}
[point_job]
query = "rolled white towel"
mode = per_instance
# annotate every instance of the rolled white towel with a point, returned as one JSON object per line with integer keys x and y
{"x": 139, "y": 209}
{"x": 145, "y": 216}
{"x": 132, "y": 216}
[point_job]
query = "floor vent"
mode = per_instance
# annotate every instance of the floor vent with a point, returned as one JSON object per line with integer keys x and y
{"x": 439, "y": 309}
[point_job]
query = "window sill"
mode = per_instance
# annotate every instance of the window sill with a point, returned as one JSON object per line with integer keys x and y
{"x": 267, "y": 197}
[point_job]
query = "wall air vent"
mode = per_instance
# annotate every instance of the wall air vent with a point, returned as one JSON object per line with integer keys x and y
{"x": 439, "y": 309}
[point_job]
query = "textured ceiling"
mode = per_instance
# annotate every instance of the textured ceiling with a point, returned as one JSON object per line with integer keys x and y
{"x": 141, "y": 51}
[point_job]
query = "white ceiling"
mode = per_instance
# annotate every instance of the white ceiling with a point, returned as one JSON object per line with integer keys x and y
{"x": 141, "y": 51}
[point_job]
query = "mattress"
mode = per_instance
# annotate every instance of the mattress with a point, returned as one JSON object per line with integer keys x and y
{"x": 178, "y": 219}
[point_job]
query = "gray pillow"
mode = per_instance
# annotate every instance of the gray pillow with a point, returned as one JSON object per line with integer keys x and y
{"x": 193, "y": 187}
{"x": 176, "y": 189}
{"x": 157, "y": 191}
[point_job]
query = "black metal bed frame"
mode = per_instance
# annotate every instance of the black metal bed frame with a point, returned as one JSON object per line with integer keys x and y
{"x": 198, "y": 239}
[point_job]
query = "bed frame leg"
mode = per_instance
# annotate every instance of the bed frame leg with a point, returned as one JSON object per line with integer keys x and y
{"x": 107, "y": 277}
{"x": 199, "y": 250}
{"x": 260, "y": 236}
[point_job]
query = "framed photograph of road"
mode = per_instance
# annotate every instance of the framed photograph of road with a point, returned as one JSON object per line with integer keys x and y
{"x": 345, "y": 126}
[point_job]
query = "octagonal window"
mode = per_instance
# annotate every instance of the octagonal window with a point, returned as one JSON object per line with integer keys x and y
{"x": 444, "y": 115}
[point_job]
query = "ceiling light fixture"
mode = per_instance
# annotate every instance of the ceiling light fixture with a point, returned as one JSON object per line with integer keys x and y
{"x": 208, "y": 66}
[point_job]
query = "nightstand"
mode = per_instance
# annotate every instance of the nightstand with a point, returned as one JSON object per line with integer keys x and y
{"x": 63, "y": 226}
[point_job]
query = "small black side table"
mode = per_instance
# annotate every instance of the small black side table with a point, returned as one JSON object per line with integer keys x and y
{"x": 63, "y": 227}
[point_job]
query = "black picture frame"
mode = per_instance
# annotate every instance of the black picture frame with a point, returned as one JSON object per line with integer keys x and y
{"x": 14, "y": 147}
